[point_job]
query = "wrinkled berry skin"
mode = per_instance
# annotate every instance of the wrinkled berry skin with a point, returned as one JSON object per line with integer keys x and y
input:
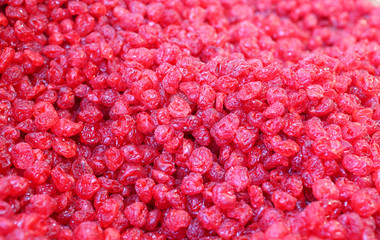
{"x": 177, "y": 219}
{"x": 22, "y": 155}
{"x": 224, "y": 130}
{"x": 136, "y": 214}
{"x": 325, "y": 189}
{"x": 189, "y": 119}
{"x": 86, "y": 186}
{"x": 223, "y": 195}
{"x": 211, "y": 218}
{"x": 200, "y": 160}
{"x": 88, "y": 230}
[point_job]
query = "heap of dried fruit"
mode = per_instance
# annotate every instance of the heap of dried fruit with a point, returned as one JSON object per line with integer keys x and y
{"x": 189, "y": 119}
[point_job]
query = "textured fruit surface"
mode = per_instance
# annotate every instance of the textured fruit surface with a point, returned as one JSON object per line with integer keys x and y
{"x": 189, "y": 120}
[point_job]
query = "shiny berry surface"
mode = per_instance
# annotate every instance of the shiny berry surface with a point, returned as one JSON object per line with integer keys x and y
{"x": 189, "y": 120}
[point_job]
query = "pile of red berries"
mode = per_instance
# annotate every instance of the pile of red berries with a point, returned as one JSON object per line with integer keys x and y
{"x": 189, "y": 119}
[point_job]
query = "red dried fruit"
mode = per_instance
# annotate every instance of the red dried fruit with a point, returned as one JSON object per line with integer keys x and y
{"x": 189, "y": 120}
{"x": 12, "y": 75}
{"x": 325, "y": 189}
{"x": 80, "y": 167}
{"x": 178, "y": 107}
{"x": 211, "y": 218}
{"x": 333, "y": 230}
{"x": 250, "y": 90}
{"x": 277, "y": 230}
{"x": 38, "y": 172}
{"x": 145, "y": 123}
{"x": 283, "y": 201}
{"x": 66, "y": 128}
{"x": 137, "y": 214}
{"x": 223, "y": 195}
{"x": 18, "y": 186}
{"x": 200, "y": 160}
{"x": 365, "y": 202}
{"x": 22, "y": 155}
{"x": 22, "y": 110}
{"x": 42, "y": 204}
{"x": 360, "y": 166}
{"x": 327, "y": 148}
{"x": 228, "y": 228}
{"x": 177, "y": 219}
{"x": 86, "y": 186}
{"x": 39, "y": 140}
{"x": 61, "y": 179}
{"x": 88, "y": 230}
{"x": 65, "y": 147}
{"x": 241, "y": 212}
{"x": 163, "y": 133}
{"x": 224, "y": 130}
{"x": 129, "y": 173}
{"x": 192, "y": 184}
{"x": 113, "y": 158}
{"x": 238, "y": 177}
{"x": 7, "y": 54}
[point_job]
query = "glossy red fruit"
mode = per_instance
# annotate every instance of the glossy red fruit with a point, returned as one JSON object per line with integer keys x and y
{"x": 137, "y": 214}
{"x": 198, "y": 120}
{"x": 22, "y": 155}
{"x": 177, "y": 219}
{"x": 211, "y": 218}
{"x": 42, "y": 204}
{"x": 223, "y": 195}
{"x": 86, "y": 186}
{"x": 365, "y": 201}
{"x": 88, "y": 231}
{"x": 325, "y": 189}
{"x": 224, "y": 130}
{"x": 200, "y": 160}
